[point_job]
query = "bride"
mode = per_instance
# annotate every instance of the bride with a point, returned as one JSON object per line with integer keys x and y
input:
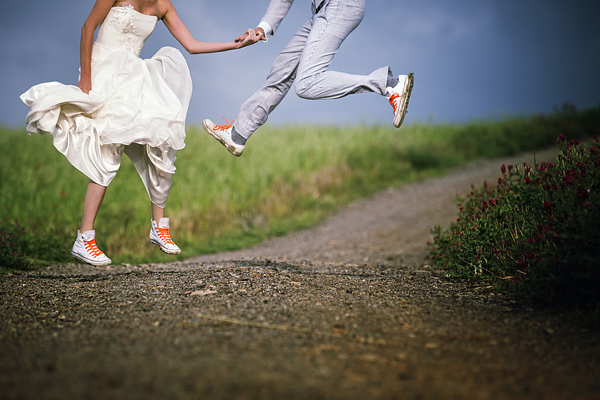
{"x": 122, "y": 104}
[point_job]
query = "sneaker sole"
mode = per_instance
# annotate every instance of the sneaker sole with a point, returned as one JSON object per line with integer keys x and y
{"x": 231, "y": 149}
{"x": 399, "y": 119}
{"x": 163, "y": 249}
{"x": 92, "y": 262}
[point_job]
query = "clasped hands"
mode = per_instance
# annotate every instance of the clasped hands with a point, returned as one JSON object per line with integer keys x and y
{"x": 251, "y": 36}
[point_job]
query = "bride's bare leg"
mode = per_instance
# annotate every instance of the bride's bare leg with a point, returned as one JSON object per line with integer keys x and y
{"x": 91, "y": 204}
{"x": 85, "y": 247}
{"x": 157, "y": 212}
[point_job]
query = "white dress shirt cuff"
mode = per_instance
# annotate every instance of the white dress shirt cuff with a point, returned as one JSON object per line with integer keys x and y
{"x": 267, "y": 28}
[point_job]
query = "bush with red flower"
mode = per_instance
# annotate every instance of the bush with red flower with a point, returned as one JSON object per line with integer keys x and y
{"x": 536, "y": 231}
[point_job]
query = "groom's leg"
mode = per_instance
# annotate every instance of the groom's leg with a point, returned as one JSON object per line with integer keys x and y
{"x": 331, "y": 26}
{"x": 255, "y": 111}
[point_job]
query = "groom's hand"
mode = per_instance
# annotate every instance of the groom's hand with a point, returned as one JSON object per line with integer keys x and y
{"x": 260, "y": 34}
{"x": 255, "y": 35}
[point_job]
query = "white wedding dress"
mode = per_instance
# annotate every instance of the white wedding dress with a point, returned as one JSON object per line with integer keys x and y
{"x": 135, "y": 106}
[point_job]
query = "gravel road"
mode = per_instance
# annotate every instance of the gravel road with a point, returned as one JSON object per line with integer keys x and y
{"x": 347, "y": 310}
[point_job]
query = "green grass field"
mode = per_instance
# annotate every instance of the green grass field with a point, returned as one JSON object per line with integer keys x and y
{"x": 289, "y": 177}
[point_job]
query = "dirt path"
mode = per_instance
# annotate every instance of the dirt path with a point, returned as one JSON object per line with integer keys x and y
{"x": 347, "y": 310}
{"x": 393, "y": 227}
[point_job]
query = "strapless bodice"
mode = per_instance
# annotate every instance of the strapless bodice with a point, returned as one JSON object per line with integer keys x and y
{"x": 124, "y": 28}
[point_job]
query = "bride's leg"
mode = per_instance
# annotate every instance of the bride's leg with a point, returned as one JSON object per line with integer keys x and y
{"x": 157, "y": 212}
{"x": 85, "y": 247}
{"x": 91, "y": 204}
{"x": 158, "y": 185}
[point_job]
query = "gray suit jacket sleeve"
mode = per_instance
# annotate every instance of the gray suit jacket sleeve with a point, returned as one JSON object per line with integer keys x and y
{"x": 276, "y": 12}
{"x": 278, "y": 9}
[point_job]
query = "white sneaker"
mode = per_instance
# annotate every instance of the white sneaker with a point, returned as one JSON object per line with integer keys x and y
{"x": 159, "y": 235}
{"x": 398, "y": 97}
{"x": 86, "y": 250}
{"x": 223, "y": 134}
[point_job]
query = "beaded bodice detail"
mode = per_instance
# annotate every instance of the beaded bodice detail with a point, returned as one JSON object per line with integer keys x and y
{"x": 124, "y": 28}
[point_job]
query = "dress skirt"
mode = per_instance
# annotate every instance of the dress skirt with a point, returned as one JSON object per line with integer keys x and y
{"x": 136, "y": 106}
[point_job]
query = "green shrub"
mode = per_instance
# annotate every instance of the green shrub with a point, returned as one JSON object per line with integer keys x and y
{"x": 536, "y": 232}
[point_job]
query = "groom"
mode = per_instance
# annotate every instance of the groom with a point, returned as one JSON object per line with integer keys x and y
{"x": 305, "y": 61}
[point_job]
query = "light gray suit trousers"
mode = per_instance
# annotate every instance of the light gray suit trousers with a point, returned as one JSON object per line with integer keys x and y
{"x": 306, "y": 59}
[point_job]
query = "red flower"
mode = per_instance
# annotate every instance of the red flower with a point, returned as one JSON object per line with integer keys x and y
{"x": 569, "y": 176}
{"x": 547, "y": 206}
{"x": 528, "y": 254}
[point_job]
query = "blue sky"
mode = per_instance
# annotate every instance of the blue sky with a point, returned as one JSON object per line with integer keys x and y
{"x": 472, "y": 59}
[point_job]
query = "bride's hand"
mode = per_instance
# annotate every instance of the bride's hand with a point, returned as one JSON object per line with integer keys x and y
{"x": 85, "y": 85}
{"x": 248, "y": 38}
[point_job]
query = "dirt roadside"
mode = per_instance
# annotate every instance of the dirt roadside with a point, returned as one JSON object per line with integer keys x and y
{"x": 349, "y": 309}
